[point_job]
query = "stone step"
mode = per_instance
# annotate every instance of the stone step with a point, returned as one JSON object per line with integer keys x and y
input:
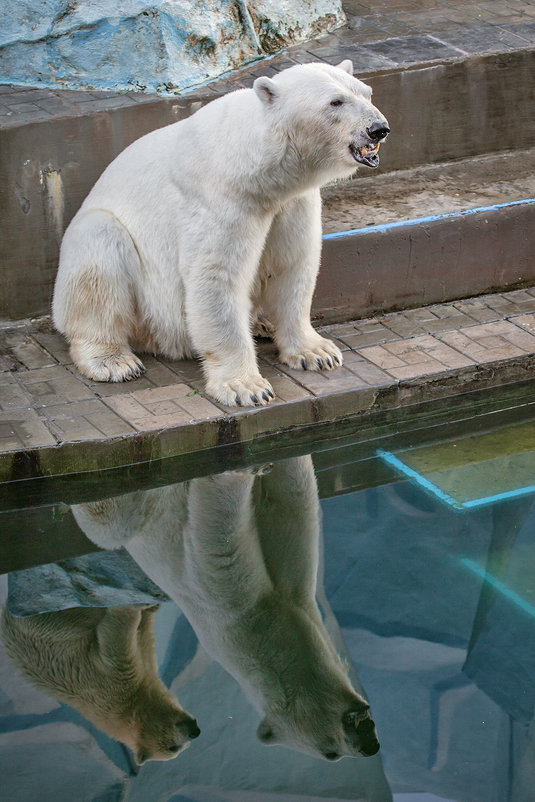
{"x": 427, "y": 235}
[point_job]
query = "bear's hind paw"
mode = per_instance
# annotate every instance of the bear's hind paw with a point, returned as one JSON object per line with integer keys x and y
{"x": 106, "y": 363}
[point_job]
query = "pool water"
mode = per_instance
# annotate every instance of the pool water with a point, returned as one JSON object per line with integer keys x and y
{"x": 266, "y": 605}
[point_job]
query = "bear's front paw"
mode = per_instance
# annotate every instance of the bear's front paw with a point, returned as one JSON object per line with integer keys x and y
{"x": 321, "y": 355}
{"x": 251, "y": 391}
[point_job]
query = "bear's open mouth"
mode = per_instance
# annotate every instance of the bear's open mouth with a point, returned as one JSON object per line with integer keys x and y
{"x": 367, "y": 154}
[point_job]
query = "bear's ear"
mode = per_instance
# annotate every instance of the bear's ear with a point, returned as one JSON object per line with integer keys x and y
{"x": 346, "y": 65}
{"x": 266, "y": 89}
{"x": 265, "y": 732}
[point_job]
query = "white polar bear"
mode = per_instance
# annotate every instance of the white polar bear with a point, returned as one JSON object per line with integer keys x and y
{"x": 200, "y": 227}
{"x": 102, "y": 662}
{"x": 239, "y": 555}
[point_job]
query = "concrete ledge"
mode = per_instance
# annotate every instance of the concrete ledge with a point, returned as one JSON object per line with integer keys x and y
{"x": 426, "y": 260}
{"x": 54, "y": 422}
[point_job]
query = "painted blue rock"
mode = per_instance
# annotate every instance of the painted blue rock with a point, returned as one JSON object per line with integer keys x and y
{"x": 164, "y": 45}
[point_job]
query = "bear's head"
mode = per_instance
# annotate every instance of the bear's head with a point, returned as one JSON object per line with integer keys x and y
{"x": 307, "y": 698}
{"x": 326, "y": 116}
{"x": 159, "y": 728}
{"x": 328, "y": 725}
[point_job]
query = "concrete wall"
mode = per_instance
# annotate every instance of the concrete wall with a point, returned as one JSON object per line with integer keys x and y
{"x": 448, "y": 111}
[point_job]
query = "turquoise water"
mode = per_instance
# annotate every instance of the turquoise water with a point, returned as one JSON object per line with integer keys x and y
{"x": 272, "y": 602}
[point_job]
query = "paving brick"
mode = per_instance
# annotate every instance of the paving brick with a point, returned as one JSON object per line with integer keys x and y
{"x": 162, "y": 407}
{"x": 425, "y": 321}
{"x": 483, "y": 38}
{"x": 526, "y": 322}
{"x": 332, "y": 381}
{"x": 287, "y": 390}
{"x": 199, "y": 407}
{"x": 412, "y": 49}
{"x": 7, "y": 364}
{"x": 523, "y": 28}
{"x": 153, "y": 422}
{"x": 23, "y": 429}
{"x": 402, "y": 326}
{"x": 418, "y": 356}
{"x": 127, "y": 407}
{"x": 12, "y": 396}
{"x": 28, "y": 352}
{"x": 504, "y": 304}
{"x": 477, "y": 310}
{"x": 444, "y": 323}
{"x": 367, "y": 372}
{"x": 24, "y": 108}
{"x": 361, "y": 333}
{"x": 173, "y": 391}
{"x": 53, "y": 385}
{"x": 85, "y": 420}
{"x": 55, "y": 345}
{"x": 490, "y": 342}
{"x": 526, "y": 296}
{"x": 189, "y": 370}
{"x": 420, "y": 315}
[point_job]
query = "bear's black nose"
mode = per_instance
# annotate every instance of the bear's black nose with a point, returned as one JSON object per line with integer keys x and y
{"x": 377, "y": 131}
{"x": 193, "y": 729}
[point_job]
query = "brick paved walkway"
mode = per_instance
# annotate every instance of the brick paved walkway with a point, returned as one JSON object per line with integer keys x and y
{"x": 380, "y": 35}
{"x": 46, "y": 408}
{"x": 420, "y": 353}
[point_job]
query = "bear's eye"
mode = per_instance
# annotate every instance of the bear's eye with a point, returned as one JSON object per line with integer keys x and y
{"x": 337, "y": 102}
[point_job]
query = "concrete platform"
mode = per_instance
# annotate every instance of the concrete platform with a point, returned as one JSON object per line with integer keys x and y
{"x": 55, "y": 422}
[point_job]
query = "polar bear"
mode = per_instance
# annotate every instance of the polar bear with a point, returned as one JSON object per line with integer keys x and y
{"x": 200, "y": 227}
{"x": 101, "y": 661}
{"x": 239, "y": 555}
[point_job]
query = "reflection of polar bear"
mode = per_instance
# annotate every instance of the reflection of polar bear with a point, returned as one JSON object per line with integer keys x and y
{"x": 200, "y": 227}
{"x": 240, "y": 557}
{"x": 102, "y": 662}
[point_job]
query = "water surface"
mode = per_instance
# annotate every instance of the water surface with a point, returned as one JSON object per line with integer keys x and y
{"x": 267, "y": 607}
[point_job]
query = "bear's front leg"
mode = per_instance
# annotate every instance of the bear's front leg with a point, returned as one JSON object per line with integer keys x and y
{"x": 218, "y": 309}
{"x": 290, "y": 266}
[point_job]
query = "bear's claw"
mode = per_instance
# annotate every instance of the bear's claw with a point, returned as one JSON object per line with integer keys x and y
{"x": 255, "y": 391}
{"x": 106, "y": 363}
{"x": 322, "y": 354}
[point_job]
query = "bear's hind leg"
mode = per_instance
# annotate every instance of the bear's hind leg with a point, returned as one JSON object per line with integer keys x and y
{"x": 94, "y": 301}
{"x": 106, "y": 362}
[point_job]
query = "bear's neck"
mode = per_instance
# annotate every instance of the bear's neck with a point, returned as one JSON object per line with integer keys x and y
{"x": 283, "y": 174}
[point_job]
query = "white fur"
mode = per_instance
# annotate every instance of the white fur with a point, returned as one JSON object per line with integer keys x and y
{"x": 102, "y": 662}
{"x": 239, "y": 554}
{"x": 199, "y": 227}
